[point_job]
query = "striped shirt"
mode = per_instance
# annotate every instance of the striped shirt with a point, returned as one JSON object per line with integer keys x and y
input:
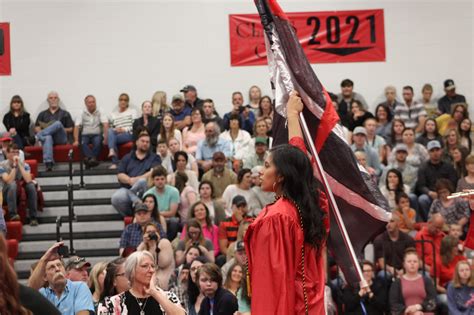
{"x": 228, "y": 229}
{"x": 410, "y": 114}
{"x": 123, "y": 119}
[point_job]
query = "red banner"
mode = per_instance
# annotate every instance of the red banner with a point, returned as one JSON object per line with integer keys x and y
{"x": 5, "y": 65}
{"x": 326, "y": 37}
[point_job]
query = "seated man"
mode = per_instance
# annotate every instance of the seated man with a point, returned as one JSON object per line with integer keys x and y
{"x": 70, "y": 297}
{"x": 247, "y": 117}
{"x": 389, "y": 249}
{"x": 433, "y": 234}
{"x": 133, "y": 171}
{"x": 211, "y": 144}
{"x": 77, "y": 269}
{"x": 132, "y": 235}
{"x": 168, "y": 199}
{"x": 210, "y": 114}
{"x": 359, "y": 137}
{"x": 5, "y": 141}
{"x": 11, "y": 171}
{"x": 52, "y": 127}
{"x": 191, "y": 96}
{"x": 412, "y": 114}
{"x": 258, "y": 156}
{"x": 450, "y": 98}
{"x": 180, "y": 112}
{"x": 95, "y": 126}
{"x": 229, "y": 227}
{"x": 220, "y": 175}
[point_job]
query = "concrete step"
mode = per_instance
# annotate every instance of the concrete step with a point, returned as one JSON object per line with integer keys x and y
{"x": 79, "y": 194}
{"x": 88, "y": 186}
{"x": 77, "y": 227}
{"x": 22, "y": 267}
{"x": 89, "y": 179}
{"x": 78, "y": 211}
{"x": 85, "y": 244}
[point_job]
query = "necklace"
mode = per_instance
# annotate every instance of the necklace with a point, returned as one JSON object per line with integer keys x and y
{"x": 141, "y": 304}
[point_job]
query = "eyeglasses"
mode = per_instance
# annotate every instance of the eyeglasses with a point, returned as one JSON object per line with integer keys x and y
{"x": 194, "y": 269}
{"x": 120, "y": 274}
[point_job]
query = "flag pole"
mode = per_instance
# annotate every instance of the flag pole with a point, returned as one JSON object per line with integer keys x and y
{"x": 332, "y": 201}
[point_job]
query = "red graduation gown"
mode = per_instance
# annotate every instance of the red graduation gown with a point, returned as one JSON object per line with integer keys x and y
{"x": 273, "y": 245}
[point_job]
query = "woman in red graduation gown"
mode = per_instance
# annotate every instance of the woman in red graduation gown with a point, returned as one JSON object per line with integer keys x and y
{"x": 286, "y": 243}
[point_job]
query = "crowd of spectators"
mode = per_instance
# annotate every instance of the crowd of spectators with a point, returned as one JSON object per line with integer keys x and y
{"x": 191, "y": 185}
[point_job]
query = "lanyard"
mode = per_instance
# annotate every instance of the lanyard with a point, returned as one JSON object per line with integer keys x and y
{"x": 211, "y": 303}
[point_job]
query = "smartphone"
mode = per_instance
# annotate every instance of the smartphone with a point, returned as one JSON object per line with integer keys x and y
{"x": 63, "y": 250}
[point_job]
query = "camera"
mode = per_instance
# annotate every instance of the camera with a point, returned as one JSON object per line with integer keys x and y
{"x": 63, "y": 250}
{"x": 153, "y": 236}
{"x": 196, "y": 244}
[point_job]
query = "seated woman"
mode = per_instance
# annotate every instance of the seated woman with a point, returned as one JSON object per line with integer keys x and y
{"x": 233, "y": 280}
{"x": 200, "y": 212}
{"x": 170, "y": 163}
{"x": 168, "y": 131}
{"x": 384, "y": 121}
{"x": 162, "y": 250}
{"x": 206, "y": 195}
{"x": 193, "y": 294}
{"x": 96, "y": 282}
{"x": 412, "y": 293}
{"x": 115, "y": 281}
{"x": 187, "y": 194}
{"x": 453, "y": 210}
{"x": 467, "y": 182}
{"x": 406, "y": 215}
{"x": 152, "y": 205}
{"x": 396, "y": 133}
{"x": 461, "y": 290}
{"x": 181, "y": 160}
{"x": 17, "y": 123}
{"x": 239, "y": 139}
{"x": 217, "y": 300}
{"x": 452, "y": 140}
{"x": 459, "y": 154}
{"x": 370, "y": 300}
{"x": 194, "y": 133}
{"x": 261, "y": 130}
{"x": 394, "y": 185}
{"x": 358, "y": 115}
{"x": 151, "y": 123}
{"x": 143, "y": 297}
{"x": 430, "y": 132}
{"x": 159, "y": 104}
{"x": 194, "y": 237}
{"x": 464, "y": 130}
{"x": 255, "y": 94}
{"x": 243, "y": 188}
{"x": 417, "y": 153}
{"x": 121, "y": 126}
{"x": 265, "y": 108}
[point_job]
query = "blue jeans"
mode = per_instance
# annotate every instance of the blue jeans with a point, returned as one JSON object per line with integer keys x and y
{"x": 10, "y": 194}
{"x": 96, "y": 141}
{"x": 123, "y": 199}
{"x": 49, "y": 136}
{"x": 117, "y": 138}
{"x": 424, "y": 204}
{"x": 19, "y": 142}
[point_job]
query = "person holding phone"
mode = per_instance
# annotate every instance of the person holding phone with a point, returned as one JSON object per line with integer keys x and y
{"x": 69, "y": 297}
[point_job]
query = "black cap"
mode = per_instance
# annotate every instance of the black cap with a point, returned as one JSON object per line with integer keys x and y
{"x": 187, "y": 88}
{"x": 449, "y": 84}
{"x": 239, "y": 246}
{"x": 239, "y": 200}
{"x": 140, "y": 207}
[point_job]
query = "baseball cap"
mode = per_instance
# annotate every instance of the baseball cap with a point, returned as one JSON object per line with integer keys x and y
{"x": 218, "y": 156}
{"x": 260, "y": 140}
{"x": 140, "y": 207}
{"x": 188, "y": 87}
{"x": 239, "y": 246}
{"x": 401, "y": 147}
{"x": 177, "y": 97}
{"x": 449, "y": 84}
{"x": 76, "y": 262}
{"x": 5, "y": 137}
{"x": 433, "y": 144}
{"x": 239, "y": 200}
{"x": 360, "y": 130}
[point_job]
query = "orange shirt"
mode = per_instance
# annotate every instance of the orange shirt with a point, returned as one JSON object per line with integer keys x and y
{"x": 402, "y": 223}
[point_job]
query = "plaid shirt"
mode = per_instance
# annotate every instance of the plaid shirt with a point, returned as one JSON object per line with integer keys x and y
{"x": 132, "y": 235}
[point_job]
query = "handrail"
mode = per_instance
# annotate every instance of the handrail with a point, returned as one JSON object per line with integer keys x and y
{"x": 81, "y": 160}
{"x": 70, "y": 195}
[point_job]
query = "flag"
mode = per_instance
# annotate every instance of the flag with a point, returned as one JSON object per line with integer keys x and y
{"x": 361, "y": 205}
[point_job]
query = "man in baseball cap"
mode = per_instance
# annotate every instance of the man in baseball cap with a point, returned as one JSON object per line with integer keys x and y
{"x": 180, "y": 112}
{"x": 77, "y": 269}
{"x": 445, "y": 103}
{"x": 359, "y": 143}
{"x": 191, "y": 96}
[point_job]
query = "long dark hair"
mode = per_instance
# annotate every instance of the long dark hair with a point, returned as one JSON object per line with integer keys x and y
{"x": 436, "y": 132}
{"x": 155, "y": 214}
{"x": 18, "y": 99}
{"x": 208, "y": 214}
{"x": 111, "y": 272}
{"x": 300, "y": 186}
{"x": 193, "y": 288}
{"x": 400, "y": 180}
{"x": 9, "y": 289}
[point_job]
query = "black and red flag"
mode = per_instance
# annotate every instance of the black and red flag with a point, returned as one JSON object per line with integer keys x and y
{"x": 358, "y": 202}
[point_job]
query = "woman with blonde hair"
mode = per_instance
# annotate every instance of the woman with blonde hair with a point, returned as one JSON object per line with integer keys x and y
{"x": 461, "y": 290}
{"x": 255, "y": 94}
{"x": 96, "y": 281}
{"x": 160, "y": 106}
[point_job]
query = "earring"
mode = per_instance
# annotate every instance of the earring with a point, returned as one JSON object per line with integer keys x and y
{"x": 273, "y": 187}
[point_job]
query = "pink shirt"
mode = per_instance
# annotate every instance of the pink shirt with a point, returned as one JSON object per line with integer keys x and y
{"x": 211, "y": 235}
{"x": 191, "y": 139}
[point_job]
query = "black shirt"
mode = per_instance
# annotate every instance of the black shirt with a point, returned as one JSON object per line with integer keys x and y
{"x": 444, "y": 103}
{"x": 392, "y": 251}
{"x": 429, "y": 173}
{"x": 46, "y": 118}
{"x": 36, "y": 302}
{"x": 149, "y": 305}
{"x": 153, "y": 127}
{"x": 21, "y": 123}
